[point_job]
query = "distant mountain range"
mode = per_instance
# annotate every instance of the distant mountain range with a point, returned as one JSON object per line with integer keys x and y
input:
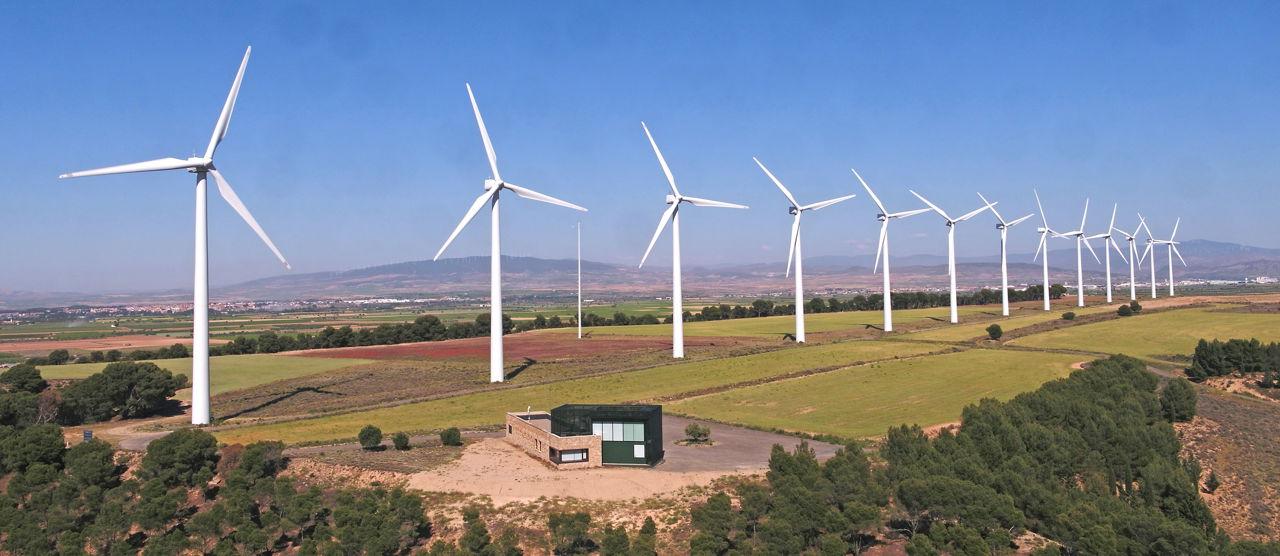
{"x": 468, "y": 277}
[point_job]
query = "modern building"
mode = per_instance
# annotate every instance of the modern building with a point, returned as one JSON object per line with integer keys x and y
{"x": 586, "y": 435}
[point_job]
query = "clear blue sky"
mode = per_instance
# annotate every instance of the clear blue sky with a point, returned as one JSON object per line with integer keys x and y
{"x": 354, "y": 145}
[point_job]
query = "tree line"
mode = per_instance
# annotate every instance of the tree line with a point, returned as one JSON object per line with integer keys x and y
{"x": 1236, "y": 356}
{"x": 1090, "y": 462}
{"x": 125, "y": 389}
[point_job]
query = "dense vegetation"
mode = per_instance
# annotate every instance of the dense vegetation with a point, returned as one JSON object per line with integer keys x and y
{"x": 125, "y": 389}
{"x": 1216, "y": 358}
{"x": 1088, "y": 461}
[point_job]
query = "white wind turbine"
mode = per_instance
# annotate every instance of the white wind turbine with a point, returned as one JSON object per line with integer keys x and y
{"x": 579, "y": 280}
{"x": 1173, "y": 250}
{"x": 672, "y": 214}
{"x": 1004, "y": 226}
{"x": 1081, "y": 238}
{"x": 882, "y": 246}
{"x": 951, "y": 244}
{"x": 1109, "y": 242}
{"x": 794, "y": 253}
{"x": 492, "y": 187}
{"x": 202, "y": 167}
{"x": 1045, "y": 231}
{"x": 1133, "y": 256}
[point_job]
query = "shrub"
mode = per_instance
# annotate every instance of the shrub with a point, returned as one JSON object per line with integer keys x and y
{"x": 23, "y": 378}
{"x": 92, "y": 463}
{"x": 995, "y": 332}
{"x": 1135, "y": 306}
{"x": 1178, "y": 400}
{"x": 184, "y": 457}
{"x": 1212, "y": 483}
{"x": 1069, "y": 315}
{"x": 697, "y": 434}
{"x": 569, "y": 533}
{"x": 19, "y": 409}
{"x": 400, "y": 440}
{"x": 615, "y": 542}
{"x": 451, "y": 437}
{"x": 128, "y": 389}
{"x": 370, "y": 437}
{"x": 58, "y": 357}
{"x": 1124, "y": 311}
{"x": 37, "y": 444}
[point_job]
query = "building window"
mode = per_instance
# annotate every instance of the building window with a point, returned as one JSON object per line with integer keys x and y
{"x": 619, "y": 432}
{"x": 570, "y": 456}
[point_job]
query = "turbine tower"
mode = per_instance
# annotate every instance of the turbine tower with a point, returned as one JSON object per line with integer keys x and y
{"x": 672, "y": 214}
{"x": 1173, "y": 250}
{"x": 1045, "y": 231}
{"x": 492, "y": 188}
{"x": 882, "y": 246}
{"x": 1004, "y": 226}
{"x": 579, "y": 279}
{"x": 201, "y": 167}
{"x": 794, "y": 253}
{"x": 1080, "y": 238}
{"x": 951, "y": 245}
{"x": 1107, "y": 241}
{"x": 1133, "y": 256}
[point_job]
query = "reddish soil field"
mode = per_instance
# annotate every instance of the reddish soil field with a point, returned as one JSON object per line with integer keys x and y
{"x": 123, "y": 343}
{"x": 516, "y": 346}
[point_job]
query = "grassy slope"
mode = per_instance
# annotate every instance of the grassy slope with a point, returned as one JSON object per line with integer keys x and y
{"x": 777, "y": 326}
{"x": 1018, "y": 318}
{"x": 489, "y": 407}
{"x": 866, "y": 400}
{"x": 228, "y": 372}
{"x": 1159, "y": 335}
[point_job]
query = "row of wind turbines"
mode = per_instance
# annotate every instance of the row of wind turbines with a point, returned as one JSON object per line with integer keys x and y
{"x": 203, "y": 167}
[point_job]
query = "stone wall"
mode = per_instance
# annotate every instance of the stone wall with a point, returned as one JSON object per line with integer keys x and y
{"x": 523, "y": 431}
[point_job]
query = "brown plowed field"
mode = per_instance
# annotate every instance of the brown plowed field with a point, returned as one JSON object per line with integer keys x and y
{"x": 533, "y": 345}
{"x": 123, "y": 343}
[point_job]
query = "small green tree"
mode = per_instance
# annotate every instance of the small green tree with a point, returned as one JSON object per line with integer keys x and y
{"x": 1135, "y": 306}
{"x": 646, "y": 541}
{"x": 1124, "y": 311}
{"x": 451, "y": 437}
{"x": 370, "y": 437}
{"x": 1212, "y": 483}
{"x": 23, "y": 378}
{"x": 400, "y": 440}
{"x": 59, "y": 357}
{"x": 615, "y": 542}
{"x": 1178, "y": 400}
{"x": 475, "y": 535}
{"x": 570, "y": 533}
{"x": 995, "y": 332}
{"x": 697, "y": 434}
{"x": 185, "y": 457}
{"x": 1069, "y": 315}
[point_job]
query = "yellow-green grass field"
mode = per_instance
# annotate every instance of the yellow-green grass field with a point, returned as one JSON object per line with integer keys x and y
{"x": 866, "y": 400}
{"x": 786, "y": 324}
{"x": 1159, "y": 335}
{"x": 487, "y": 408}
{"x": 1019, "y": 318}
{"x": 226, "y": 372}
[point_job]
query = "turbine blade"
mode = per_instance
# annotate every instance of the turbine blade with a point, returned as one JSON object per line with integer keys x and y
{"x": 1043, "y": 218}
{"x": 931, "y": 205}
{"x": 1175, "y": 228}
{"x": 662, "y": 224}
{"x": 870, "y": 192}
{"x": 148, "y": 166}
{"x": 699, "y": 202}
{"x": 665, "y": 169}
{"x": 232, "y": 199}
{"x": 484, "y": 134}
{"x": 974, "y": 213}
{"x": 1091, "y": 251}
{"x": 1043, "y": 237}
{"x": 534, "y": 195}
{"x": 1179, "y": 254}
{"x": 1113, "y": 217}
{"x": 993, "y": 210}
{"x": 1015, "y": 222}
{"x": 795, "y": 232}
{"x": 907, "y": 213}
{"x": 880, "y": 245}
{"x": 1112, "y": 241}
{"x": 778, "y": 183}
{"x": 224, "y": 119}
{"x": 466, "y": 219}
{"x": 1145, "y": 252}
{"x": 1085, "y": 215}
{"x": 827, "y": 203}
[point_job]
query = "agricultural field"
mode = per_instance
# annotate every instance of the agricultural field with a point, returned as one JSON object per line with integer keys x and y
{"x": 785, "y": 324}
{"x": 865, "y": 400}
{"x": 1019, "y": 317}
{"x": 226, "y": 373}
{"x": 487, "y": 408}
{"x": 1163, "y": 336}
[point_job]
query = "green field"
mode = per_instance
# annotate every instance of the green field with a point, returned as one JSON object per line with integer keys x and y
{"x": 786, "y": 324}
{"x": 1159, "y": 335}
{"x": 488, "y": 408}
{"x": 226, "y": 373}
{"x": 866, "y": 400}
{"x": 1018, "y": 318}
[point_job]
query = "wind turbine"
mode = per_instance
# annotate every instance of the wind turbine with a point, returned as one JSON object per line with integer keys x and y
{"x": 1004, "y": 226}
{"x": 951, "y": 244}
{"x": 1173, "y": 250}
{"x": 796, "y": 209}
{"x": 579, "y": 280}
{"x": 202, "y": 167}
{"x": 1080, "y": 238}
{"x": 1133, "y": 256}
{"x": 492, "y": 188}
{"x": 672, "y": 214}
{"x": 1045, "y": 231}
{"x": 1109, "y": 242}
{"x": 882, "y": 246}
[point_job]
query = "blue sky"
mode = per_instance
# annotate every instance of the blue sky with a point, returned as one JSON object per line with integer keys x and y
{"x": 354, "y": 145}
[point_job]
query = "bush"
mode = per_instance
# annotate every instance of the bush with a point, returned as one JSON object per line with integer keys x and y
{"x": 37, "y": 444}
{"x": 995, "y": 332}
{"x": 1212, "y": 483}
{"x": 697, "y": 434}
{"x": 451, "y": 437}
{"x": 23, "y": 378}
{"x": 19, "y": 409}
{"x": 1069, "y": 315}
{"x": 569, "y": 533}
{"x": 400, "y": 440}
{"x": 128, "y": 389}
{"x": 184, "y": 457}
{"x": 1135, "y": 306}
{"x": 92, "y": 463}
{"x": 58, "y": 357}
{"x": 1124, "y": 311}
{"x": 370, "y": 437}
{"x": 1178, "y": 400}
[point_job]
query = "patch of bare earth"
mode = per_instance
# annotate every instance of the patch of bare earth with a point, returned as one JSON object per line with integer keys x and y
{"x": 1233, "y": 435}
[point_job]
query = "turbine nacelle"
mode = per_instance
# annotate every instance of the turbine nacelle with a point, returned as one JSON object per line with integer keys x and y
{"x": 793, "y": 210}
{"x": 199, "y": 164}
{"x": 490, "y": 184}
{"x": 672, "y": 199}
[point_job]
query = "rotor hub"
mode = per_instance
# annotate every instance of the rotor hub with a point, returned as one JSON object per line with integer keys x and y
{"x": 671, "y": 199}
{"x": 793, "y": 211}
{"x": 490, "y": 184}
